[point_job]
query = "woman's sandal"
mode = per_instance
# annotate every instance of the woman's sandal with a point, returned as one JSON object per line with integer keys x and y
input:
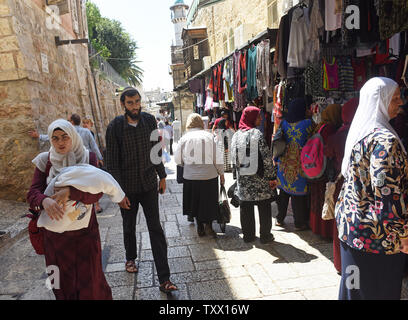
{"x": 167, "y": 287}
{"x": 131, "y": 267}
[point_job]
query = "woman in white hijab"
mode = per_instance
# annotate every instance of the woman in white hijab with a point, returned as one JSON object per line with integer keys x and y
{"x": 77, "y": 254}
{"x": 371, "y": 211}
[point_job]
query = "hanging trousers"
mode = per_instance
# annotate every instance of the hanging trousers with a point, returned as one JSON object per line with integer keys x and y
{"x": 299, "y": 206}
{"x": 247, "y": 215}
{"x": 149, "y": 201}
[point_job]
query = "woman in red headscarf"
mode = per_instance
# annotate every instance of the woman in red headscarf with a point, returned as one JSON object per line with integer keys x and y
{"x": 335, "y": 152}
{"x": 256, "y": 176}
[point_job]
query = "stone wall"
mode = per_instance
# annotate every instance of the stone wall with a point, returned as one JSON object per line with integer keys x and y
{"x": 183, "y": 102}
{"x": 224, "y": 16}
{"x": 39, "y": 83}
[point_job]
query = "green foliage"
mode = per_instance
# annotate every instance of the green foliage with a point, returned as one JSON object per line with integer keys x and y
{"x": 113, "y": 43}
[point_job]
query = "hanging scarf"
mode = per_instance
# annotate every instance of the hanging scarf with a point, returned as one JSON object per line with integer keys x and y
{"x": 248, "y": 118}
{"x": 372, "y": 113}
{"x": 347, "y": 113}
{"x": 77, "y": 155}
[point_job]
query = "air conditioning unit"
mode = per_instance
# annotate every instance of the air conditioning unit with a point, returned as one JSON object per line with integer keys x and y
{"x": 207, "y": 62}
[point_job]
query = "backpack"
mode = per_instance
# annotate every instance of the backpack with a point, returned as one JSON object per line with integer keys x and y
{"x": 312, "y": 157}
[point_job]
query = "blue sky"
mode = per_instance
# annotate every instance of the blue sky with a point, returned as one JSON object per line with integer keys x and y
{"x": 149, "y": 23}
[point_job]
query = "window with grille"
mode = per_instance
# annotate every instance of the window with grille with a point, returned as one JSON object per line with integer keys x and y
{"x": 231, "y": 41}
{"x": 225, "y": 44}
{"x": 273, "y": 14}
{"x": 196, "y": 53}
{"x": 239, "y": 34}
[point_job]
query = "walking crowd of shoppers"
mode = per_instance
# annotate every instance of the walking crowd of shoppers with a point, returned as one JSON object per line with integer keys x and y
{"x": 363, "y": 143}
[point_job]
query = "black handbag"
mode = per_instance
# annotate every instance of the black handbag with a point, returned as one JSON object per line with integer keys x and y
{"x": 224, "y": 211}
{"x": 231, "y": 194}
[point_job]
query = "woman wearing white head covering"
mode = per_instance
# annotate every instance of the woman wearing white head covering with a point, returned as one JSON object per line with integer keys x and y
{"x": 197, "y": 153}
{"x": 371, "y": 212}
{"x": 77, "y": 254}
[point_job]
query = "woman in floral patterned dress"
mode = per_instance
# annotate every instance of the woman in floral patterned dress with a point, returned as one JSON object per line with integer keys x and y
{"x": 371, "y": 211}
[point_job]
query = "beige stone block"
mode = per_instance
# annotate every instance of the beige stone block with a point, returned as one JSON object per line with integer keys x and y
{"x": 9, "y": 75}
{"x": 3, "y": 93}
{"x": 20, "y": 61}
{"x": 5, "y": 29}
{"x": 7, "y": 62}
{"x": 9, "y": 43}
{"x": 4, "y": 8}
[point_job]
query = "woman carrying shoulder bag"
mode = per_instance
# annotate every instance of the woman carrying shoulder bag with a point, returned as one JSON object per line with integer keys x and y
{"x": 256, "y": 176}
{"x": 197, "y": 153}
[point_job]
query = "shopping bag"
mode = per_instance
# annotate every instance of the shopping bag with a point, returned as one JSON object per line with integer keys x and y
{"x": 224, "y": 211}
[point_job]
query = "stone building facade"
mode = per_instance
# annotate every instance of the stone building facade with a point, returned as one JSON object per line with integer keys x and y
{"x": 232, "y": 23}
{"x": 41, "y": 82}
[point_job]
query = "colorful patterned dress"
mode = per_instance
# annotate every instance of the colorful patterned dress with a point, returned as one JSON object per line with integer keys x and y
{"x": 290, "y": 177}
{"x": 371, "y": 211}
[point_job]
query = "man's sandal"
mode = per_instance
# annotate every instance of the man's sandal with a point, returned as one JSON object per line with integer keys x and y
{"x": 131, "y": 267}
{"x": 167, "y": 287}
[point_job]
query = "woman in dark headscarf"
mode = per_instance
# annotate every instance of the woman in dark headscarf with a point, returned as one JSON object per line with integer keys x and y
{"x": 331, "y": 120}
{"x": 335, "y": 153}
{"x": 255, "y": 186}
{"x": 291, "y": 184}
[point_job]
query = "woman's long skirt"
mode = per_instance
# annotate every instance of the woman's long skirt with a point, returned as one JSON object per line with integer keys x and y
{"x": 200, "y": 199}
{"x": 369, "y": 276}
{"x": 78, "y": 258}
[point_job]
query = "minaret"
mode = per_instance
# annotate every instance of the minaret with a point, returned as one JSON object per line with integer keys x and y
{"x": 179, "y": 19}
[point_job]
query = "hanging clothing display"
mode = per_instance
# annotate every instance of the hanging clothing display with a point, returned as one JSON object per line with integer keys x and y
{"x": 283, "y": 35}
{"x": 333, "y": 19}
{"x": 242, "y": 72}
{"x": 316, "y": 25}
{"x": 346, "y": 74}
{"x": 360, "y": 77}
{"x": 239, "y": 98}
{"x": 369, "y": 22}
{"x": 300, "y": 47}
{"x": 393, "y": 17}
{"x": 263, "y": 68}
{"x": 228, "y": 80}
{"x": 316, "y": 57}
{"x": 252, "y": 91}
{"x": 313, "y": 79}
{"x": 330, "y": 75}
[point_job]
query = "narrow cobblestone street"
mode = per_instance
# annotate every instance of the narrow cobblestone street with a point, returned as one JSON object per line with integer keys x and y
{"x": 297, "y": 265}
